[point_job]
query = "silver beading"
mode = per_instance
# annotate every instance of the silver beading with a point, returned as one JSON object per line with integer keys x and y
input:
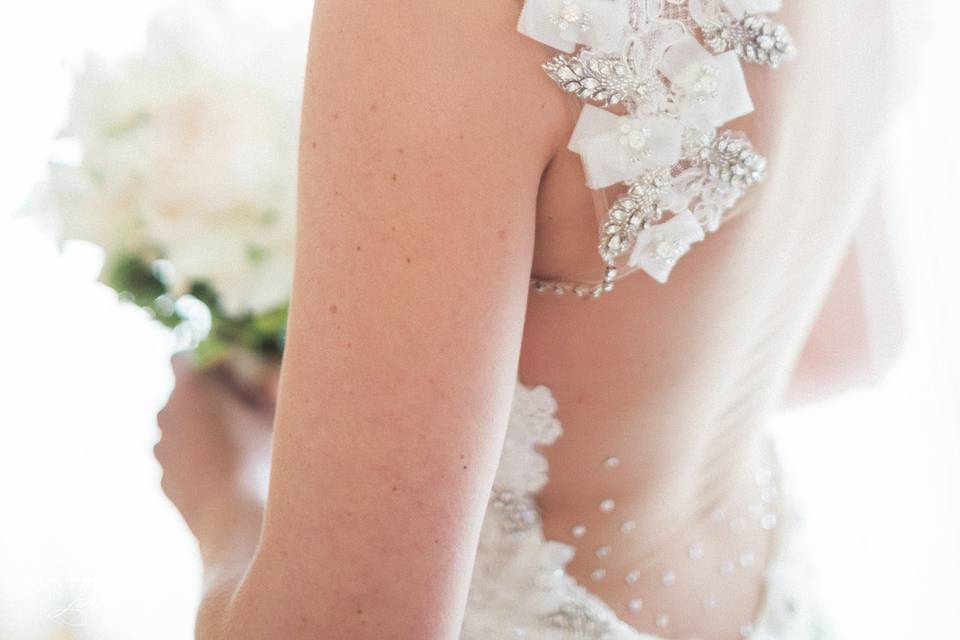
{"x": 675, "y": 67}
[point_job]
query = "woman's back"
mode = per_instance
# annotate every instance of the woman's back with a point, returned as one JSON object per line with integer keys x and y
{"x": 429, "y": 184}
{"x": 663, "y": 390}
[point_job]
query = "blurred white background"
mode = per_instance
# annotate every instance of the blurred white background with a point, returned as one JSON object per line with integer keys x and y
{"x": 89, "y": 547}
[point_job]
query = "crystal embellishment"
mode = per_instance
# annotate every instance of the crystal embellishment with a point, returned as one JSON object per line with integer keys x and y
{"x": 754, "y": 38}
{"x": 579, "y": 620}
{"x": 674, "y": 67}
{"x": 571, "y": 16}
{"x": 519, "y": 512}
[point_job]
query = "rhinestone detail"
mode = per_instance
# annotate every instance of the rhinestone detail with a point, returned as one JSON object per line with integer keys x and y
{"x": 633, "y": 77}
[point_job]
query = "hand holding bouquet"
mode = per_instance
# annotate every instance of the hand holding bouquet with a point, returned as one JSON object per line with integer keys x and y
{"x": 187, "y": 178}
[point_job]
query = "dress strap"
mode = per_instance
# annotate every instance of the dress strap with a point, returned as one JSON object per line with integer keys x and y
{"x": 675, "y": 66}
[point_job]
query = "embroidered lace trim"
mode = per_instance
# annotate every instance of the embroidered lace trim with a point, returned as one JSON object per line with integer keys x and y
{"x": 520, "y": 588}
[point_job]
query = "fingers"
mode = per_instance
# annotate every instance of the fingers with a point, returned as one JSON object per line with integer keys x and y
{"x": 254, "y": 380}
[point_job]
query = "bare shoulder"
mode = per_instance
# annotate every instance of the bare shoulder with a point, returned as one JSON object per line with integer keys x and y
{"x": 445, "y": 58}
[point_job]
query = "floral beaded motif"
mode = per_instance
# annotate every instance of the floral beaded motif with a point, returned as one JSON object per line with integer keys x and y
{"x": 677, "y": 167}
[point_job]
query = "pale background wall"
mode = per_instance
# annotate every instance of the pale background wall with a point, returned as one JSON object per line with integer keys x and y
{"x": 90, "y": 549}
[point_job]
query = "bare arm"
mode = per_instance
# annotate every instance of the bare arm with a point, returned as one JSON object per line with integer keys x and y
{"x": 424, "y": 138}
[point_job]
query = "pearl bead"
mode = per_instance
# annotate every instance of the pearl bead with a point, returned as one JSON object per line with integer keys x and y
{"x": 633, "y": 577}
{"x": 663, "y": 620}
{"x": 598, "y": 574}
{"x": 603, "y": 551}
{"x": 635, "y": 605}
{"x": 628, "y": 526}
{"x": 578, "y": 531}
{"x": 668, "y": 577}
{"x": 607, "y": 505}
{"x": 611, "y": 462}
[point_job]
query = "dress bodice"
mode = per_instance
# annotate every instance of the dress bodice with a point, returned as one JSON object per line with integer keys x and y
{"x": 675, "y": 379}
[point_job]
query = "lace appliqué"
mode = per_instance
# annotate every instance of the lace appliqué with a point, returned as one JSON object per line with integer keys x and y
{"x": 520, "y": 588}
{"x": 677, "y": 167}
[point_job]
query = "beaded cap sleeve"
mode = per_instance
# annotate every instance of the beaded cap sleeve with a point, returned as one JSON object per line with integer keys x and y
{"x": 675, "y": 67}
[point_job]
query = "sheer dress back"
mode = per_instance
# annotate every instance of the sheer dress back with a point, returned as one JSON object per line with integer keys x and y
{"x": 640, "y": 415}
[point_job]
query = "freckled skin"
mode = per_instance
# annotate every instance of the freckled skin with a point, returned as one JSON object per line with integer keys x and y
{"x": 321, "y": 542}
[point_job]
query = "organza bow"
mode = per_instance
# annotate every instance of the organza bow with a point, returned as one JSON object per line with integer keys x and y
{"x": 659, "y": 247}
{"x": 562, "y": 24}
{"x": 709, "y": 86}
{"x": 617, "y": 148}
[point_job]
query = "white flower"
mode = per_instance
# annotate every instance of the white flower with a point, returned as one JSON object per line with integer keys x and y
{"x": 563, "y": 24}
{"x": 707, "y": 197}
{"x": 190, "y": 151}
{"x": 659, "y": 247}
{"x": 617, "y": 148}
{"x": 707, "y": 85}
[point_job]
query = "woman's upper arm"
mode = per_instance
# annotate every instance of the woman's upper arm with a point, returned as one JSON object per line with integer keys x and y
{"x": 423, "y": 140}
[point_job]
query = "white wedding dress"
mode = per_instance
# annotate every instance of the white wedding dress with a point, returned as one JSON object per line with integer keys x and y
{"x": 658, "y": 79}
{"x": 520, "y": 588}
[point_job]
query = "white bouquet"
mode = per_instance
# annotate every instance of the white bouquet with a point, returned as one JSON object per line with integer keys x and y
{"x": 188, "y": 171}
